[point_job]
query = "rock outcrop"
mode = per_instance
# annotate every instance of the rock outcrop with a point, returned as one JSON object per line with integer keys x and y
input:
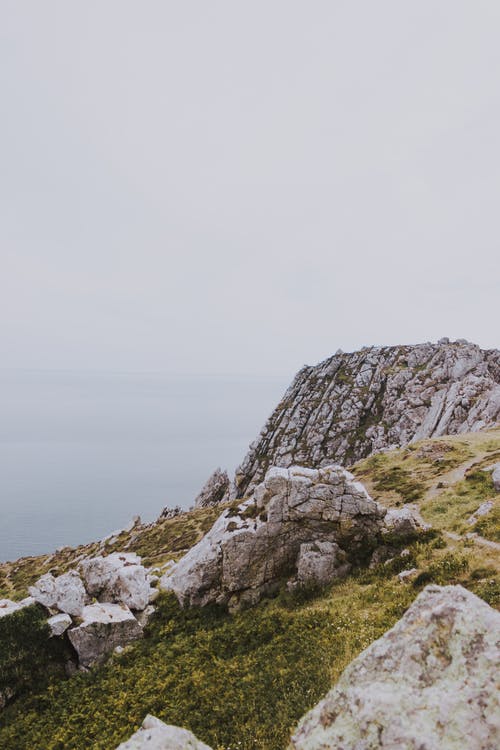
{"x": 214, "y": 490}
{"x": 300, "y": 522}
{"x": 352, "y": 405}
{"x": 155, "y": 735}
{"x": 430, "y": 683}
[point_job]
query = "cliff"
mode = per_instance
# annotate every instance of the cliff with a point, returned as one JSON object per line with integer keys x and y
{"x": 352, "y": 405}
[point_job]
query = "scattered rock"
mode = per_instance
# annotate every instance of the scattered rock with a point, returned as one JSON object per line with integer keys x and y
{"x": 170, "y": 513}
{"x": 155, "y": 735}
{"x": 404, "y": 522}
{"x": 483, "y": 510}
{"x": 408, "y": 575}
{"x": 428, "y": 683}
{"x": 214, "y": 490}
{"x": 252, "y": 549}
{"x": 355, "y": 404}
{"x": 58, "y": 624}
{"x": 65, "y": 593}
{"x": 103, "y": 627}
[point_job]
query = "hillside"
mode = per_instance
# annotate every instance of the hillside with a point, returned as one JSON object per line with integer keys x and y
{"x": 244, "y": 680}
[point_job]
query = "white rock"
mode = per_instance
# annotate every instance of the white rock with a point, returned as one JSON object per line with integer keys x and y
{"x": 119, "y": 577}
{"x": 104, "y": 627}
{"x": 7, "y": 607}
{"x": 65, "y": 593}
{"x": 155, "y": 735}
{"x": 408, "y": 575}
{"x": 58, "y": 624}
{"x": 483, "y": 510}
{"x": 430, "y": 683}
{"x": 405, "y": 521}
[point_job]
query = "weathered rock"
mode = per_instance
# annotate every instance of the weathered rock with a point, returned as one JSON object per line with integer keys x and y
{"x": 214, "y": 490}
{"x": 119, "y": 578}
{"x": 319, "y": 563}
{"x": 408, "y": 575}
{"x": 495, "y": 475}
{"x": 355, "y": 404}
{"x": 430, "y": 683}
{"x": 58, "y": 624}
{"x": 103, "y": 627}
{"x": 65, "y": 593}
{"x": 7, "y": 607}
{"x": 155, "y": 735}
{"x": 253, "y": 548}
{"x": 404, "y": 522}
{"x": 483, "y": 510}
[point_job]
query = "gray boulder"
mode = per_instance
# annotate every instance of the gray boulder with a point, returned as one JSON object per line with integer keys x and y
{"x": 404, "y": 522}
{"x": 155, "y": 735}
{"x": 65, "y": 593}
{"x": 430, "y": 683}
{"x": 253, "y": 548}
{"x": 118, "y": 578}
{"x": 104, "y": 627}
{"x": 214, "y": 490}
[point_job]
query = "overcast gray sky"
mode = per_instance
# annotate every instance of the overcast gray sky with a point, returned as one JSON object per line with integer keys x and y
{"x": 244, "y": 187}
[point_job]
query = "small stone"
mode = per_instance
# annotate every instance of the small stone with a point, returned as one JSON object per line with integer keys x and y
{"x": 408, "y": 575}
{"x": 58, "y": 624}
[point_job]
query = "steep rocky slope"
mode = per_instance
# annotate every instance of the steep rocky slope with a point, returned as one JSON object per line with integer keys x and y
{"x": 352, "y": 405}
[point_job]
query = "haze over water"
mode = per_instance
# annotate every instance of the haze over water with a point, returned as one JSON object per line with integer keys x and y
{"x": 82, "y": 453}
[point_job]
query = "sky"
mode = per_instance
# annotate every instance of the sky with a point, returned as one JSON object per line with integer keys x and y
{"x": 245, "y": 187}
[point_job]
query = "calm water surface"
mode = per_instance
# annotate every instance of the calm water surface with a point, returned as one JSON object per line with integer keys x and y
{"x": 80, "y": 454}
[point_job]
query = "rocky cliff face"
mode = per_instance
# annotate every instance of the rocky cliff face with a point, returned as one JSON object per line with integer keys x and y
{"x": 354, "y": 404}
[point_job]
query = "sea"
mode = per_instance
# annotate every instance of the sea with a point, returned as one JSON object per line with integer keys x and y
{"x": 82, "y": 453}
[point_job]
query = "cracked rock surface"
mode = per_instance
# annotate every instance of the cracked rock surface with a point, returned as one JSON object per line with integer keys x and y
{"x": 355, "y": 404}
{"x": 430, "y": 683}
{"x": 253, "y": 548}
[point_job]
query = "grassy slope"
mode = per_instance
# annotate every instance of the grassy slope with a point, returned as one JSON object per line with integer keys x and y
{"x": 243, "y": 681}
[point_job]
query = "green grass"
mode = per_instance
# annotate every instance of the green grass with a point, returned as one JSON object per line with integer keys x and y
{"x": 452, "y": 508}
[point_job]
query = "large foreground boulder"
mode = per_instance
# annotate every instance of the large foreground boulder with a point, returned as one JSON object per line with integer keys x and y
{"x": 103, "y": 628}
{"x": 155, "y": 735}
{"x": 430, "y": 683}
{"x": 253, "y": 548}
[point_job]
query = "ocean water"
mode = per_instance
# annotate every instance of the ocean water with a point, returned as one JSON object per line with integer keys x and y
{"x": 82, "y": 453}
